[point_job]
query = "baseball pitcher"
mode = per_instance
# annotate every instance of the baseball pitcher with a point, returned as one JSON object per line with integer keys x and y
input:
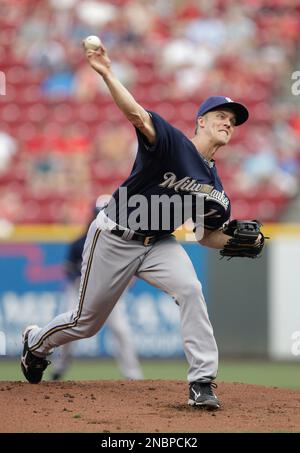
{"x": 131, "y": 237}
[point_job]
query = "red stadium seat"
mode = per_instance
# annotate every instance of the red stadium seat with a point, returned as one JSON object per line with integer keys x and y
{"x": 31, "y": 117}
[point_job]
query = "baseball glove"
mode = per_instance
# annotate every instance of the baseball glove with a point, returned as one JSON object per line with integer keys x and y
{"x": 246, "y": 239}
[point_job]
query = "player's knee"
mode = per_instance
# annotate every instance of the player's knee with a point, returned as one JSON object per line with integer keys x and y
{"x": 190, "y": 290}
{"x": 86, "y": 331}
{"x": 87, "y": 326}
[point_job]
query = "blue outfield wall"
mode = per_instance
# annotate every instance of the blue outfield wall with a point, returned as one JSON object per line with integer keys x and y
{"x": 32, "y": 292}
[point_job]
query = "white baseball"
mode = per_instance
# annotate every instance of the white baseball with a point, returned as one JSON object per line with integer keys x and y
{"x": 92, "y": 42}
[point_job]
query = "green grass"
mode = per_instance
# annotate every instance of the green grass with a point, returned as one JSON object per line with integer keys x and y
{"x": 278, "y": 374}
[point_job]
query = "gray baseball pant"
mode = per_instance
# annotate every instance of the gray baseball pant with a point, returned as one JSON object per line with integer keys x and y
{"x": 118, "y": 324}
{"x": 109, "y": 263}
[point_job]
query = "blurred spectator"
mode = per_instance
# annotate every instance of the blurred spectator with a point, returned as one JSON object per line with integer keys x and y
{"x": 95, "y": 13}
{"x": 35, "y": 27}
{"x": 63, "y": 4}
{"x": 59, "y": 84}
{"x": 113, "y": 149}
{"x": 239, "y": 19}
{"x": 267, "y": 165}
{"x": 8, "y": 147}
{"x": 59, "y": 165}
{"x": 49, "y": 55}
{"x": 11, "y": 208}
{"x": 176, "y": 49}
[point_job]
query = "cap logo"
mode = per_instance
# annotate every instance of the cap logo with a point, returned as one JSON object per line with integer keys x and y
{"x": 229, "y": 100}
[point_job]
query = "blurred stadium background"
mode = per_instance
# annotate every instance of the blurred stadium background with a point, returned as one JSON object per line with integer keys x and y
{"x": 63, "y": 143}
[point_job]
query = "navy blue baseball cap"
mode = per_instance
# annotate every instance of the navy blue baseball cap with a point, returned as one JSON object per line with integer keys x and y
{"x": 216, "y": 102}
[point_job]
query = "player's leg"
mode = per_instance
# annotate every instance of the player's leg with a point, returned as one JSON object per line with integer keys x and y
{"x": 168, "y": 267}
{"x": 126, "y": 355}
{"x": 108, "y": 265}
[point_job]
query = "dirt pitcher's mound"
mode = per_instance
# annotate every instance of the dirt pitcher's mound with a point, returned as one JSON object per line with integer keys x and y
{"x": 143, "y": 406}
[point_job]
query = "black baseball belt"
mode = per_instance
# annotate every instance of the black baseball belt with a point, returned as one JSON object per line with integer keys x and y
{"x": 145, "y": 240}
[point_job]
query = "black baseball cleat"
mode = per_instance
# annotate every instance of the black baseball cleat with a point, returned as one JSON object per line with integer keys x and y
{"x": 201, "y": 395}
{"x": 32, "y": 366}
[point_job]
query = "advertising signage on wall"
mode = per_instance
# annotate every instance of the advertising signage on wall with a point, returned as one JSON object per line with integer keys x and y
{"x": 32, "y": 291}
